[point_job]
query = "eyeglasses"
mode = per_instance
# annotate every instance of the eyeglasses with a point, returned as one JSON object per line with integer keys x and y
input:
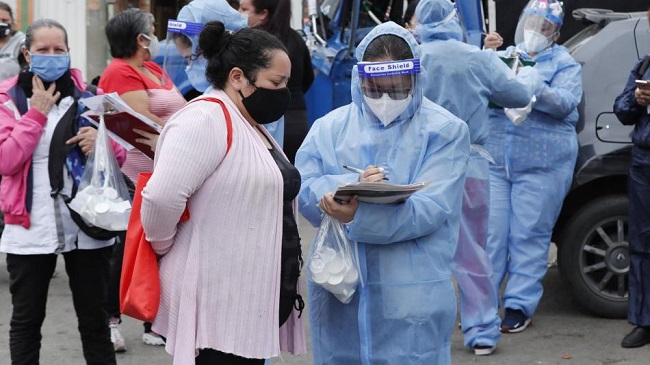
{"x": 377, "y": 93}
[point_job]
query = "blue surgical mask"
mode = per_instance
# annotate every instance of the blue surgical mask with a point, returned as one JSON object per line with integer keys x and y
{"x": 196, "y": 74}
{"x": 49, "y": 67}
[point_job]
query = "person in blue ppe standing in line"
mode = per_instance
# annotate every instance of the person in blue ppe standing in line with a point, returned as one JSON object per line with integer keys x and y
{"x": 405, "y": 311}
{"x": 463, "y": 80}
{"x": 632, "y": 108}
{"x": 187, "y": 40}
{"x": 534, "y": 163}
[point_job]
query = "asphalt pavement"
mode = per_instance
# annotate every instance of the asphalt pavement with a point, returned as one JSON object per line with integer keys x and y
{"x": 562, "y": 333}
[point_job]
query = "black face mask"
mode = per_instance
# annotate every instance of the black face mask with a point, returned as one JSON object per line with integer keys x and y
{"x": 5, "y": 30}
{"x": 267, "y": 105}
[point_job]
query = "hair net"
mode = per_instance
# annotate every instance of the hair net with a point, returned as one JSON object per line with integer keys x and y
{"x": 549, "y": 9}
{"x": 434, "y": 11}
{"x": 203, "y": 11}
{"x": 437, "y": 19}
{"x": 539, "y": 25}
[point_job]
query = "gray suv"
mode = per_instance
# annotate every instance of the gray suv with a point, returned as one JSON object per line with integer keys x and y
{"x": 591, "y": 232}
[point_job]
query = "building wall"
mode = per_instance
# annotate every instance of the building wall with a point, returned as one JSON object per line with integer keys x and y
{"x": 85, "y": 21}
{"x": 72, "y": 14}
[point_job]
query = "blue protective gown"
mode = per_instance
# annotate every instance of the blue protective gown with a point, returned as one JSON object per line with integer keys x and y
{"x": 203, "y": 11}
{"x": 630, "y": 112}
{"x": 533, "y": 173}
{"x": 463, "y": 79}
{"x": 405, "y": 311}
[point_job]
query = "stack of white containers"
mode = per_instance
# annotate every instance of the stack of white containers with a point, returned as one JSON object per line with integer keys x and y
{"x": 335, "y": 271}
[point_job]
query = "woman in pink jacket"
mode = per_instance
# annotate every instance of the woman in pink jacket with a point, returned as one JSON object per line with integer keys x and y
{"x": 43, "y": 144}
{"x": 223, "y": 293}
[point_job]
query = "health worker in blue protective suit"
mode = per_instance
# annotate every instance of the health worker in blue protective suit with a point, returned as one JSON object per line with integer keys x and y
{"x": 197, "y": 13}
{"x": 405, "y": 310}
{"x": 534, "y": 163}
{"x": 632, "y": 108}
{"x": 463, "y": 80}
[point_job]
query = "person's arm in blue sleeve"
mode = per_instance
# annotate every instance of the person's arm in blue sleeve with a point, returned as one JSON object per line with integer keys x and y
{"x": 315, "y": 180}
{"x": 627, "y": 110}
{"x": 563, "y": 94}
{"x": 444, "y": 167}
{"x": 507, "y": 89}
{"x": 276, "y": 130}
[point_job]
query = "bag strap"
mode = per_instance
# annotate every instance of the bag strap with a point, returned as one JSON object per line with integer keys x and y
{"x": 225, "y": 112}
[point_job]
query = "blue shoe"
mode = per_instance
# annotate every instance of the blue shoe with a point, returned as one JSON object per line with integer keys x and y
{"x": 515, "y": 321}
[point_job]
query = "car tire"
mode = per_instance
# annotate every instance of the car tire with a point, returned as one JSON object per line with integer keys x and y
{"x": 594, "y": 256}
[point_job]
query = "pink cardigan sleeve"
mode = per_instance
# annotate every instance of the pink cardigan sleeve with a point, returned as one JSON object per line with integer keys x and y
{"x": 18, "y": 138}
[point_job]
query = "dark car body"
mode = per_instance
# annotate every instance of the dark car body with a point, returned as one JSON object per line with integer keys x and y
{"x": 591, "y": 232}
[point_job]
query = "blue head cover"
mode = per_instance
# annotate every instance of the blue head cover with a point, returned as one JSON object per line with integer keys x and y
{"x": 437, "y": 20}
{"x": 551, "y": 10}
{"x": 389, "y": 28}
{"x": 203, "y": 11}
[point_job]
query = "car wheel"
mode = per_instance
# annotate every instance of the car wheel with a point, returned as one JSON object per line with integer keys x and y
{"x": 594, "y": 256}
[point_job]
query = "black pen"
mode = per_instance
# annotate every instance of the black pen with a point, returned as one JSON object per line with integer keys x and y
{"x": 357, "y": 170}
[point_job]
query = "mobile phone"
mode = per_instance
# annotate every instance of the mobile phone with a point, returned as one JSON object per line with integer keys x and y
{"x": 642, "y": 82}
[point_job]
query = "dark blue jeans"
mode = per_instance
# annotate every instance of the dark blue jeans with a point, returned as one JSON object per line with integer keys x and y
{"x": 29, "y": 281}
{"x": 638, "y": 312}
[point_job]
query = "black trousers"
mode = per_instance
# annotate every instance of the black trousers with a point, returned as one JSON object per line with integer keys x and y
{"x": 29, "y": 281}
{"x": 113, "y": 299}
{"x": 214, "y": 357}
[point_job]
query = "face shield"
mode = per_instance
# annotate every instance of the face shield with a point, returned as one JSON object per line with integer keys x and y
{"x": 387, "y": 87}
{"x": 180, "y": 61}
{"x": 539, "y": 25}
{"x": 458, "y": 16}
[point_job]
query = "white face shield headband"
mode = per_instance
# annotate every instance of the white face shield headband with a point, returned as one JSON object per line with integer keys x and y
{"x": 387, "y": 87}
{"x": 180, "y": 49}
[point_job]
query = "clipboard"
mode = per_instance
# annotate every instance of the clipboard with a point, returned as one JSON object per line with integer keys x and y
{"x": 122, "y": 124}
{"x": 378, "y": 192}
{"x": 120, "y": 121}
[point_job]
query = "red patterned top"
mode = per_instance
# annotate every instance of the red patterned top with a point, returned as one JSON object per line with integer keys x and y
{"x": 164, "y": 101}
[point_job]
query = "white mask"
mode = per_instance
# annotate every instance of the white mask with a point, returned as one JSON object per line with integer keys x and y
{"x": 534, "y": 41}
{"x": 154, "y": 46}
{"x": 387, "y": 109}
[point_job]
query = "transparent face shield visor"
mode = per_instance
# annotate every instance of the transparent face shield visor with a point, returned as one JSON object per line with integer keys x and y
{"x": 179, "y": 50}
{"x": 387, "y": 87}
{"x": 458, "y": 16}
{"x": 538, "y": 26}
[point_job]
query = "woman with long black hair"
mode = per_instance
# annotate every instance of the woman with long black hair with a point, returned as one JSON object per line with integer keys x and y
{"x": 274, "y": 16}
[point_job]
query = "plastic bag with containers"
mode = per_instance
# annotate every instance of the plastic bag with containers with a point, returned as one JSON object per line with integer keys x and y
{"x": 333, "y": 262}
{"x": 103, "y": 198}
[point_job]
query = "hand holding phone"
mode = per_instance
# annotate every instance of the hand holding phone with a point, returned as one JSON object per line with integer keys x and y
{"x": 642, "y": 83}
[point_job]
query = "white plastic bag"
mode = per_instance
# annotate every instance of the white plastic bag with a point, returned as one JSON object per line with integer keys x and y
{"x": 518, "y": 115}
{"x": 333, "y": 263}
{"x": 102, "y": 197}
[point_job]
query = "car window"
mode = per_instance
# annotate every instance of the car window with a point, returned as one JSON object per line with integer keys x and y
{"x": 582, "y": 37}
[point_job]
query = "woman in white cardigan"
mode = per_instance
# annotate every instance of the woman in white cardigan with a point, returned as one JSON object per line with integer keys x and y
{"x": 220, "y": 271}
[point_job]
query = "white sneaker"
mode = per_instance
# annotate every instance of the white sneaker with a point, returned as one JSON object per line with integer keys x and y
{"x": 116, "y": 337}
{"x": 152, "y": 339}
{"x": 480, "y": 350}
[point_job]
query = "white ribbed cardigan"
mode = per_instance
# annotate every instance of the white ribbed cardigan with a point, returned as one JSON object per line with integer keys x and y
{"x": 219, "y": 272}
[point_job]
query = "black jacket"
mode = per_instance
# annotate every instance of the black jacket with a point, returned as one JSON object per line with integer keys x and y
{"x": 629, "y": 112}
{"x": 302, "y": 73}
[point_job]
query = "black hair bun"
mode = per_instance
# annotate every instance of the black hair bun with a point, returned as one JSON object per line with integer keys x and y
{"x": 213, "y": 39}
